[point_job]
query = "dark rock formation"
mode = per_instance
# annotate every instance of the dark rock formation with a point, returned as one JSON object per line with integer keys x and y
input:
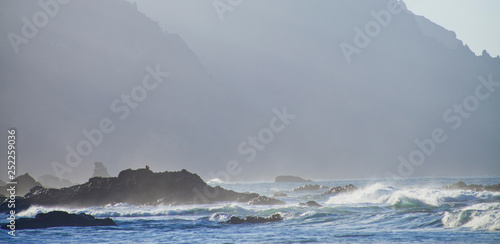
{"x": 139, "y": 187}
{"x": 100, "y": 170}
{"x": 341, "y": 189}
{"x": 495, "y": 187}
{"x": 263, "y": 200}
{"x": 460, "y": 185}
{"x": 59, "y": 218}
{"x": 311, "y": 204}
{"x": 51, "y": 181}
{"x": 20, "y": 204}
{"x": 24, "y": 184}
{"x": 308, "y": 187}
{"x": 280, "y": 195}
{"x": 290, "y": 178}
{"x": 253, "y": 219}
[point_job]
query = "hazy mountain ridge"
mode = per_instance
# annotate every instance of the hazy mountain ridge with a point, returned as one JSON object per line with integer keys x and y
{"x": 349, "y": 115}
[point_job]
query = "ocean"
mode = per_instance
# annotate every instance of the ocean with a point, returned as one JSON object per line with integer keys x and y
{"x": 415, "y": 210}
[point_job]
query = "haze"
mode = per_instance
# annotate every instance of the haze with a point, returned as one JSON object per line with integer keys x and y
{"x": 233, "y": 77}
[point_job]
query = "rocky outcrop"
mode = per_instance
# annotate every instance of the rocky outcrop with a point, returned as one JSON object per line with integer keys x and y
{"x": 19, "y": 204}
{"x": 311, "y": 204}
{"x": 263, "y": 200}
{"x": 280, "y": 195}
{"x": 139, "y": 187}
{"x": 100, "y": 170}
{"x": 253, "y": 219}
{"x": 24, "y": 184}
{"x": 290, "y": 178}
{"x": 341, "y": 189}
{"x": 51, "y": 181}
{"x": 59, "y": 218}
{"x": 308, "y": 187}
{"x": 460, "y": 185}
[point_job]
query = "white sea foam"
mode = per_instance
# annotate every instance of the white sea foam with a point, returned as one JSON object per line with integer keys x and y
{"x": 215, "y": 181}
{"x": 384, "y": 194}
{"x": 477, "y": 216}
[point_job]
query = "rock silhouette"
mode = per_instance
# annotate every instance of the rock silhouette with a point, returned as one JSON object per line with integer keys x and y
{"x": 253, "y": 219}
{"x": 310, "y": 204}
{"x": 341, "y": 189}
{"x": 21, "y": 204}
{"x": 280, "y": 195}
{"x": 24, "y": 184}
{"x": 141, "y": 186}
{"x": 460, "y": 185}
{"x": 59, "y": 218}
{"x": 100, "y": 170}
{"x": 263, "y": 200}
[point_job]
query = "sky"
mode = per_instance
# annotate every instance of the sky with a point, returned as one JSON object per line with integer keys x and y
{"x": 476, "y": 23}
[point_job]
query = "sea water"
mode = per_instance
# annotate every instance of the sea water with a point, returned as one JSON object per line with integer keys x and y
{"x": 406, "y": 211}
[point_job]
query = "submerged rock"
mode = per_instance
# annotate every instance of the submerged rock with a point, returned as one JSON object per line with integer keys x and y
{"x": 263, "y": 200}
{"x": 59, "y": 218}
{"x": 311, "y": 204}
{"x": 341, "y": 189}
{"x": 290, "y": 178}
{"x": 253, "y": 219}
{"x": 280, "y": 195}
{"x": 460, "y": 185}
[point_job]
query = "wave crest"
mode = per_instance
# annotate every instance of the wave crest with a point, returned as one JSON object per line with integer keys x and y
{"x": 477, "y": 216}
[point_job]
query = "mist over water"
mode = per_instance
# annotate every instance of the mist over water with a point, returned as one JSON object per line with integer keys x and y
{"x": 412, "y": 210}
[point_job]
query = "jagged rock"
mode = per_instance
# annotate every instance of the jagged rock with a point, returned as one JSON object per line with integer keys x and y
{"x": 59, "y": 218}
{"x": 24, "y": 184}
{"x": 20, "y": 203}
{"x": 280, "y": 195}
{"x": 263, "y": 200}
{"x": 253, "y": 219}
{"x": 51, "y": 181}
{"x": 495, "y": 187}
{"x": 311, "y": 204}
{"x": 460, "y": 185}
{"x": 290, "y": 178}
{"x": 139, "y": 186}
{"x": 341, "y": 189}
{"x": 100, "y": 170}
{"x": 308, "y": 187}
